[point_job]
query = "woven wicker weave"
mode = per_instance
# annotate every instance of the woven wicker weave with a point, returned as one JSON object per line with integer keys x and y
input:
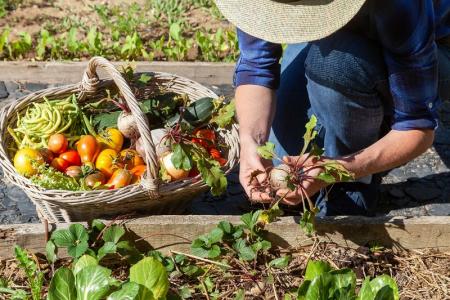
{"x": 150, "y": 196}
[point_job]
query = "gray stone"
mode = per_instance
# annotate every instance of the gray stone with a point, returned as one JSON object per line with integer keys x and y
{"x": 422, "y": 194}
{"x": 438, "y": 209}
{"x": 3, "y": 91}
{"x": 397, "y": 193}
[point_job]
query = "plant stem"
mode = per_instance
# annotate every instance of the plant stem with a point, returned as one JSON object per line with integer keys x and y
{"x": 201, "y": 259}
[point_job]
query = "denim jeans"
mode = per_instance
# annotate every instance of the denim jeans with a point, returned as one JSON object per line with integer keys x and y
{"x": 341, "y": 79}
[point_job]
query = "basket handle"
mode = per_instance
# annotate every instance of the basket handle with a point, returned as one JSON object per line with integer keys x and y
{"x": 89, "y": 85}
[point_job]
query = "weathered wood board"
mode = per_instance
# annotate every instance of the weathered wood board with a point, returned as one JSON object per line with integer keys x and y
{"x": 71, "y": 72}
{"x": 174, "y": 232}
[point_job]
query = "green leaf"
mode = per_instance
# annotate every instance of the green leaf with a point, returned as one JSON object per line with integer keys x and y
{"x": 316, "y": 268}
{"x": 212, "y": 174}
{"x": 385, "y": 288}
{"x": 62, "y": 286}
{"x": 93, "y": 283}
{"x": 267, "y": 151}
{"x": 107, "y": 248}
{"x": 225, "y": 226}
{"x": 128, "y": 291}
{"x": 98, "y": 225}
{"x": 180, "y": 158}
{"x": 150, "y": 273}
{"x": 247, "y": 253}
{"x": 215, "y": 236}
{"x": 270, "y": 215}
{"x": 50, "y": 252}
{"x": 240, "y": 295}
{"x": 145, "y": 78}
{"x": 78, "y": 249}
{"x": 303, "y": 289}
{"x": 320, "y": 287}
{"x": 327, "y": 178}
{"x": 366, "y": 293}
{"x": 225, "y": 115}
{"x": 344, "y": 284}
{"x": 175, "y": 31}
{"x": 63, "y": 238}
{"x": 307, "y": 222}
{"x": 310, "y": 134}
{"x": 281, "y": 262}
{"x": 83, "y": 262}
{"x": 198, "y": 248}
{"x": 113, "y": 233}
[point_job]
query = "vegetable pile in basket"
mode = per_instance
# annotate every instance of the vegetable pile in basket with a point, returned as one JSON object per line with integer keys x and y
{"x": 65, "y": 145}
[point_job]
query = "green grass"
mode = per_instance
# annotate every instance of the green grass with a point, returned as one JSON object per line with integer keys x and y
{"x": 159, "y": 30}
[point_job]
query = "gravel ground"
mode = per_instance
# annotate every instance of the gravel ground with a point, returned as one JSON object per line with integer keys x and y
{"x": 421, "y": 187}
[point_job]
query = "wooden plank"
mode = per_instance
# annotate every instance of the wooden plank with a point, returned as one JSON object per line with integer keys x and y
{"x": 175, "y": 232}
{"x": 71, "y": 72}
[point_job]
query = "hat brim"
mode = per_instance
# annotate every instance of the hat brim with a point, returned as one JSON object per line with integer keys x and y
{"x": 294, "y": 22}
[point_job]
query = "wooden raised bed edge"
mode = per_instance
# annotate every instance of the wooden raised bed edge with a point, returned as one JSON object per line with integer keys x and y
{"x": 71, "y": 72}
{"x": 170, "y": 232}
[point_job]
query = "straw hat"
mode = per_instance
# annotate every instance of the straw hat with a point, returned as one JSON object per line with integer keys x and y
{"x": 289, "y": 21}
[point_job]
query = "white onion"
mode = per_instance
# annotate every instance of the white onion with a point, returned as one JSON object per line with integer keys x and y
{"x": 159, "y": 140}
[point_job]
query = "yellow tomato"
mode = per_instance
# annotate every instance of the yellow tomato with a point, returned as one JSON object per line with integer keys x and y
{"x": 111, "y": 138}
{"x": 25, "y": 161}
{"x": 130, "y": 159}
{"x": 105, "y": 162}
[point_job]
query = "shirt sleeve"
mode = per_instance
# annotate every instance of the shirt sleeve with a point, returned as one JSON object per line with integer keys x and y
{"x": 258, "y": 63}
{"x": 406, "y": 29}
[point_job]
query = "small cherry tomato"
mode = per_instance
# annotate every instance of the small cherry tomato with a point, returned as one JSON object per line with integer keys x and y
{"x": 206, "y": 134}
{"x": 72, "y": 157}
{"x": 60, "y": 164}
{"x": 57, "y": 143}
{"x": 215, "y": 153}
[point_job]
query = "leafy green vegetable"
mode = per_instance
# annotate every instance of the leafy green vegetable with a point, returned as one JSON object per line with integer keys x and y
{"x": 93, "y": 283}
{"x": 150, "y": 273}
{"x": 225, "y": 116}
{"x": 50, "y": 252}
{"x": 34, "y": 275}
{"x": 280, "y": 262}
{"x": 128, "y": 291}
{"x": 52, "y": 179}
{"x": 62, "y": 286}
{"x": 307, "y": 222}
{"x": 83, "y": 262}
{"x": 211, "y": 173}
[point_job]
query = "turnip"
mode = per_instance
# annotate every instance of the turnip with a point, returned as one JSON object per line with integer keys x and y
{"x": 160, "y": 140}
{"x": 127, "y": 125}
{"x": 279, "y": 177}
{"x": 174, "y": 173}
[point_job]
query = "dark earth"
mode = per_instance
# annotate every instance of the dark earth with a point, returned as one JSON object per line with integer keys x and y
{"x": 419, "y": 188}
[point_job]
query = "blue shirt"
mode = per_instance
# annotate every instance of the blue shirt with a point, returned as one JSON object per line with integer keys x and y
{"x": 407, "y": 31}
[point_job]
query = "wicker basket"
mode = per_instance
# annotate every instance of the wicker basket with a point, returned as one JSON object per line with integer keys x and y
{"x": 150, "y": 196}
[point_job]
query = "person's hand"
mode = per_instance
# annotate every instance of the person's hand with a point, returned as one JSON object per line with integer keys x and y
{"x": 250, "y": 162}
{"x": 310, "y": 186}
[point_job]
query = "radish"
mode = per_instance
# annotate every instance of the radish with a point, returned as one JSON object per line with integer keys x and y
{"x": 279, "y": 177}
{"x": 159, "y": 140}
{"x": 174, "y": 173}
{"x": 127, "y": 125}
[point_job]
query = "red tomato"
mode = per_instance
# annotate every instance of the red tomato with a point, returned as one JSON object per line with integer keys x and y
{"x": 60, "y": 164}
{"x": 193, "y": 172}
{"x": 200, "y": 142}
{"x": 215, "y": 153}
{"x": 206, "y": 134}
{"x": 120, "y": 179}
{"x": 72, "y": 157}
{"x": 57, "y": 143}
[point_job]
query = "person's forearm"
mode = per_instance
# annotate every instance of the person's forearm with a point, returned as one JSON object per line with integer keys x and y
{"x": 255, "y": 107}
{"x": 393, "y": 150}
